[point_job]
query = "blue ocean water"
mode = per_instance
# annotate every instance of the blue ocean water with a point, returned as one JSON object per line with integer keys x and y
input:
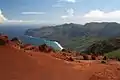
{"x": 13, "y": 31}
{"x": 18, "y": 31}
{"x": 40, "y": 41}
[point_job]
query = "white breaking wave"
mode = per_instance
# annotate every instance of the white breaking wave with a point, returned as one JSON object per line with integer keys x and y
{"x": 59, "y": 45}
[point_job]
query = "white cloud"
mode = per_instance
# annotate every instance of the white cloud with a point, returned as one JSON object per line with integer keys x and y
{"x": 5, "y": 20}
{"x": 33, "y": 13}
{"x": 91, "y": 16}
{"x": 64, "y": 17}
{"x": 70, "y": 1}
{"x": 57, "y": 5}
{"x": 70, "y": 13}
{"x": 61, "y": 4}
{"x": 2, "y": 17}
{"x": 25, "y": 21}
{"x": 20, "y": 21}
{"x": 94, "y": 16}
{"x": 102, "y": 14}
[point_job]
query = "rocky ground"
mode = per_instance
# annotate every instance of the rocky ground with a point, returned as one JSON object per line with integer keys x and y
{"x": 27, "y": 64}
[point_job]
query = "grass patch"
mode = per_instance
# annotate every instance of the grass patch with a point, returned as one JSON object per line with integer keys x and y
{"x": 113, "y": 54}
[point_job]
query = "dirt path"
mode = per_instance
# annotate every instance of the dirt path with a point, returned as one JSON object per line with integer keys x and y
{"x": 18, "y": 65}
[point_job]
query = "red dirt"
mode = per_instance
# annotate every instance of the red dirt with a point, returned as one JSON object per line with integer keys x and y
{"x": 18, "y": 65}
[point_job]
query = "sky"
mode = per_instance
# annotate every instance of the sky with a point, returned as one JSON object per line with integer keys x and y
{"x": 59, "y": 11}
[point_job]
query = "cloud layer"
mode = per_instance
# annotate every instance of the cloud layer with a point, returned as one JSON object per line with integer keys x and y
{"x": 58, "y": 5}
{"x": 20, "y": 21}
{"x": 70, "y": 13}
{"x": 32, "y": 13}
{"x": 2, "y": 18}
{"x": 102, "y": 14}
{"x": 70, "y": 1}
{"x": 93, "y": 16}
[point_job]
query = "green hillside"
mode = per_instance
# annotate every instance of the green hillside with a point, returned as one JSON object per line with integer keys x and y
{"x": 76, "y": 36}
{"x": 104, "y": 46}
{"x": 80, "y": 43}
{"x": 114, "y": 54}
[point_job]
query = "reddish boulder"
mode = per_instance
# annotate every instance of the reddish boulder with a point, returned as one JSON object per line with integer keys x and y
{"x": 85, "y": 57}
{"x": 45, "y": 48}
{"x": 93, "y": 57}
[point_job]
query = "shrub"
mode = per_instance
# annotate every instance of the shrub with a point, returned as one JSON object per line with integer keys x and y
{"x": 105, "y": 58}
{"x": 64, "y": 50}
{"x": 15, "y": 39}
{"x": 71, "y": 59}
{"x": 103, "y": 62}
{"x": 45, "y": 48}
{"x": 118, "y": 59}
{"x": 85, "y": 57}
{"x": 93, "y": 57}
{"x": 2, "y": 42}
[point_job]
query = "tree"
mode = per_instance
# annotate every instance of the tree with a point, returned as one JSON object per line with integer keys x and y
{"x": 2, "y": 42}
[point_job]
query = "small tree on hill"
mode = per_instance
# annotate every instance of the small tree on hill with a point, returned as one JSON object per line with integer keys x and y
{"x": 105, "y": 58}
{"x": 2, "y": 42}
{"x": 85, "y": 57}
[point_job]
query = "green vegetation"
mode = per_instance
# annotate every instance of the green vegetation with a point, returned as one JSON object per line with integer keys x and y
{"x": 88, "y": 37}
{"x": 104, "y": 46}
{"x": 113, "y": 54}
{"x": 79, "y": 44}
{"x": 2, "y": 42}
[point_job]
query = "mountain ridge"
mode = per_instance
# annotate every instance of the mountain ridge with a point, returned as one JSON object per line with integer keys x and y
{"x": 66, "y": 34}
